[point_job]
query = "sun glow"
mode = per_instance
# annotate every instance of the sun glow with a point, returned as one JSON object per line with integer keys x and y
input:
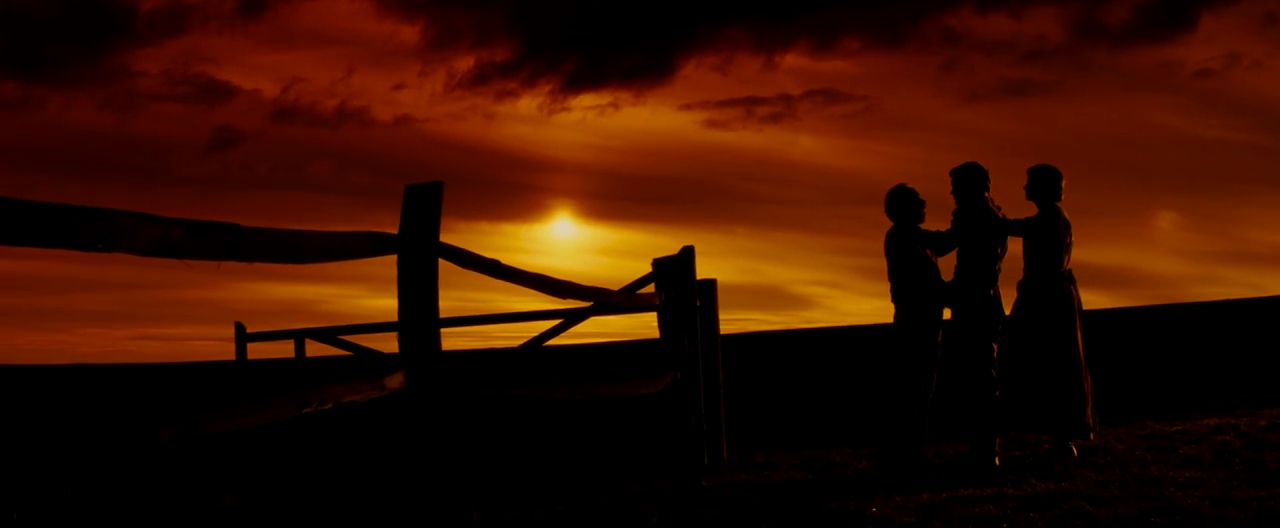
{"x": 564, "y": 226}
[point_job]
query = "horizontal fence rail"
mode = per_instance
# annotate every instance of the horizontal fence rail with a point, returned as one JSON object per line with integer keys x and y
{"x": 686, "y": 308}
{"x": 47, "y": 225}
{"x": 28, "y": 223}
{"x": 460, "y": 321}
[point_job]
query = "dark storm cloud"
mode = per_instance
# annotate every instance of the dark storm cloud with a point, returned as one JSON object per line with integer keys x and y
{"x": 186, "y": 88}
{"x": 574, "y": 46}
{"x": 22, "y": 101}
{"x": 223, "y": 138}
{"x": 738, "y": 112}
{"x": 41, "y": 41}
{"x": 1217, "y": 67}
{"x": 1270, "y": 20}
{"x": 1009, "y": 87}
{"x": 169, "y": 172}
{"x": 1149, "y": 22}
{"x": 78, "y": 41}
{"x": 313, "y": 114}
{"x": 196, "y": 89}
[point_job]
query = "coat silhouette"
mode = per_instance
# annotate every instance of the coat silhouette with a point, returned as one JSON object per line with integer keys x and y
{"x": 917, "y": 290}
{"x": 966, "y": 388}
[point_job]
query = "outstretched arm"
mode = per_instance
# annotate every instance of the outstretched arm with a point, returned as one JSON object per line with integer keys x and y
{"x": 940, "y": 243}
{"x": 1016, "y": 227}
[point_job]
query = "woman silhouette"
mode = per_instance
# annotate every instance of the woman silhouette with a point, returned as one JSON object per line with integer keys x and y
{"x": 1043, "y": 378}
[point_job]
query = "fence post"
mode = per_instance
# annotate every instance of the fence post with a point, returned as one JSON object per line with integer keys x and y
{"x": 418, "y": 269}
{"x": 418, "y": 334}
{"x": 300, "y": 347}
{"x": 712, "y": 371}
{"x": 242, "y": 346}
{"x": 675, "y": 277}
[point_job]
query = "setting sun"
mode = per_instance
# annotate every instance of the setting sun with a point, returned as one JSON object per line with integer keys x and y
{"x": 564, "y": 227}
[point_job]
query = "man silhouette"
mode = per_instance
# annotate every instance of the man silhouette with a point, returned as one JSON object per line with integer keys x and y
{"x": 977, "y": 310}
{"x": 917, "y": 290}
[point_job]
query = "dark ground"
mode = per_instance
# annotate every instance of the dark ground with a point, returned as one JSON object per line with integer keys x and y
{"x": 81, "y": 443}
{"x": 340, "y": 466}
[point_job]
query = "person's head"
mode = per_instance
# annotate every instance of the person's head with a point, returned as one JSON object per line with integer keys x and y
{"x": 970, "y": 180}
{"x": 903, "y": 205}
{"x": 1044, "y": 184}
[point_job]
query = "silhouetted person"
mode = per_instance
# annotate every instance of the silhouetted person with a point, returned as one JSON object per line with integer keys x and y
{"x": 978, "y": 230}
{"x": 1044, "y": 380}
{"x": 917, "y": 290}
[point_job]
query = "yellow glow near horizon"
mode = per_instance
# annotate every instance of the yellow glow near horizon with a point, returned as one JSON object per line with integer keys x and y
{"x": 563, "y": 226}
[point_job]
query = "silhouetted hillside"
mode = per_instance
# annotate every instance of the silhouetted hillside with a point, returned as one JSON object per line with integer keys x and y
{"x": 789, "y": 389}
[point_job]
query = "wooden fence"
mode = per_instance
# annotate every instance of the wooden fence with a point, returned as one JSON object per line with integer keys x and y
{"x": 686, "y": 307}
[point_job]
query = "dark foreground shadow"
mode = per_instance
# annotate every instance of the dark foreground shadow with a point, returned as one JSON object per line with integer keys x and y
{"x": 344, "y": 467}
{"x": 790, "y": 397}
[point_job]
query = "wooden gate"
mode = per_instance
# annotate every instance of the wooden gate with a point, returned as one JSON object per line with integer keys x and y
{"x": 685, "y": 306}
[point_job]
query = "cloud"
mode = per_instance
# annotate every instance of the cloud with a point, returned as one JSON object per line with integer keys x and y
{"x": 1270, "y": 20}
{"x": 180, "y": 87}
{"x": 573, "y": 47}
{"x": 53, "y": 40}
{"x": 196, "y": 89}
{"x": 71, "y": 42}
{"x": 740, "y": 112}
{"x": 1128, "y": 281}
{"x": 15, "y": 99}
{"x": 1218, "y": 66}
{"x": 1012, "y": 87}
{"x": 224, "y": 138}
{"x": 1147, "y": 22}
{"x": 762, "y": 297}
{"x": 314, "y": 114}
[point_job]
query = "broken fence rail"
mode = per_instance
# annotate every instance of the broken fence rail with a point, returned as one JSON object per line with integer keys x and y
{"x": 331, "y": 335}
{"x": 46, "y": 225}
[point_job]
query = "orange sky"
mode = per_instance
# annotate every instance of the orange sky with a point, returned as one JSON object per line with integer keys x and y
{"x": 766, "y": 139}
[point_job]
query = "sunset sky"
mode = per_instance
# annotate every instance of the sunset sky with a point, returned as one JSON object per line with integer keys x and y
{"x": 581, "y": 142}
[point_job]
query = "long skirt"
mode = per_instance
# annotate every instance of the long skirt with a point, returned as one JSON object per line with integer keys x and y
{"x": 1043, "y": 378}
